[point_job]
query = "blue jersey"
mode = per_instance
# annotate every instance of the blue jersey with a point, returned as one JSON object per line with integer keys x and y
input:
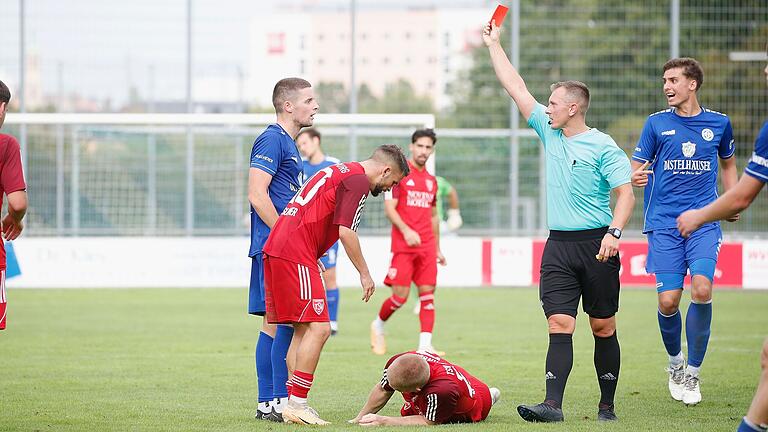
{"x": 310, "y": 170}
{"x": 683, "y": 152}
{"x": 275, "y": 153}
{"x": 757, "y": 166}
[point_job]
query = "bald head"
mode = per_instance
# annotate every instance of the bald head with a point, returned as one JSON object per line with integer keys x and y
{"x": 408, "y": 372}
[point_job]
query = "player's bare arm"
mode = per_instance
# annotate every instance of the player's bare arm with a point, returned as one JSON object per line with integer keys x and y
{"x": 729, "y": 176}
{"x": 379, "y": 420}
{"x": 508, "y": 76}
{"x": 17, "y": 208}
{"x": 625, "y": 202}
{"x": 640, "y": 173}
{"x": 737, "y": 199}
{"x": 411, "y": 237}
{"x": 258, "y": 196}
{"x": 377, "y": 399}
{"x": 436, "y": 229}
{"x": 351, "y": 244}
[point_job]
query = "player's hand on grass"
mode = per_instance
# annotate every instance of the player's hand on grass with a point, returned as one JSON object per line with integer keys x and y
{"x": 372, "y": 420}
{"x": 491, "y": 34}
{"x": 640, "y": 177}
{"x": 368, "y": 286}
{"x": 441, "y": 259}
{"x": 12, "y": 228}
{"x": 412, "y": 238}
{"x": 609, "y": 247}
{"x": 688, "y": 222}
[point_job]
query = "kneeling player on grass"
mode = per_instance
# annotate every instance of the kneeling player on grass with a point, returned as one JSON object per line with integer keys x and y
{"x": 326, "y": 209}
{"x": 435, "y": 392}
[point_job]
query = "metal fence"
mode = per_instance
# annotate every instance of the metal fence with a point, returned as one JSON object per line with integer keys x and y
{"x": 484, "y": 149}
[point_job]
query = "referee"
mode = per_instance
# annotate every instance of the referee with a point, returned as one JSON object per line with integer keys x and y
{"x": 580, "y": 258}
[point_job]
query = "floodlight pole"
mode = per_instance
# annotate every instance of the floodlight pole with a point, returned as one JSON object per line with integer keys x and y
{"x": 190, "y": 163}
{"x": 22, "y": 87}
{"x": 514, "y": 123}
{"x": 352, "y": 81}
{"x": 674, "y": 29}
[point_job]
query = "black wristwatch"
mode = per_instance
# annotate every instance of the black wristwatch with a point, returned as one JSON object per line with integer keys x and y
{"x": 616, "y": 232}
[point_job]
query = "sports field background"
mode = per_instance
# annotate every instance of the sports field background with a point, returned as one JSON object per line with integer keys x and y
{"x": 182, "y": 359}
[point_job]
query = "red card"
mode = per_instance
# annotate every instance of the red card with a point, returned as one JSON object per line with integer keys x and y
{"x": 499, "y": 14}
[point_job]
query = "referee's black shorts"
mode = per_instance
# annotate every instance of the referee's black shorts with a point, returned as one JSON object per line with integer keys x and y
{"x": 569, "y": 271}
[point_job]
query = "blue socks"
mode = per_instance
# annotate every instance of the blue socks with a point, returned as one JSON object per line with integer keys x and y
{"x": 747, "y": 426}
{"x": 698, "y": 321}
{"x": 279, "y": 376}
{"x": 671, "y": 327}
{"x": 264, "y": 366}
{"x": 333, "y": 303}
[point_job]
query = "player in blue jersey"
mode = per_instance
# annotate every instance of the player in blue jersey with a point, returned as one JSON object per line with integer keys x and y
{"x": 731, "y": 203}
{"x": 275, "y": 175}
{"x": 676, "y": 161}
{"x": 308, "y": 141}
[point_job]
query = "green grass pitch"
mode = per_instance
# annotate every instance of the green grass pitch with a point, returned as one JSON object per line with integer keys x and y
{"x": 182, "y": 359}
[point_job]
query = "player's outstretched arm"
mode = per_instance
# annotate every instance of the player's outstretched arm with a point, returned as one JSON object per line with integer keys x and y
{"x": 258, "y": 196}
{"x": 351, "y": 244}
{"x": 379, "y": 420}
{"x": 17, "y": 208}
{"x": 734, "y": 201}
{"x": 508, "y": 76}
{"x": 377, "y": 399}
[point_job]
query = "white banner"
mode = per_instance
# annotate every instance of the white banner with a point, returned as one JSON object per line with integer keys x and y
{"x": 755, "y": 264}
{"x": 511, "y": 261}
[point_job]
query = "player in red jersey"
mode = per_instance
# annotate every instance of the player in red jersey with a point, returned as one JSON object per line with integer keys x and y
{"x": 411, "y": 207}
{"x": 12, "y": 184}
{"x": 435, "y": 392}
{"x": 327, "y": 208}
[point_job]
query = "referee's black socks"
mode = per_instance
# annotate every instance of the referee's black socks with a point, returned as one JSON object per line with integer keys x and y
{"x": 559, "y": 363}
{"x": 607, "y": 364}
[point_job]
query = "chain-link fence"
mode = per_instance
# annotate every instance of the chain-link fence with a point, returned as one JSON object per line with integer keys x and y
{"x": 616, "y": 47}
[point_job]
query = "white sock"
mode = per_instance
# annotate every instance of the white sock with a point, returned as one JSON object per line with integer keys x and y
{"x": 335, "y": 325}
{"x": 298, "y": 400}
{"x": 692, "y": 370}
{"x": 264, "y": 407}
{"x": 676, "y": 360}
{"x": 425, "y": 340}
{"x": 279, "y": 403}
{"x": 378, "y": 324}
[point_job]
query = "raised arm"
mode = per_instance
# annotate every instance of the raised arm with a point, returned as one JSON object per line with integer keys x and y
{"x": 508, "y": 76}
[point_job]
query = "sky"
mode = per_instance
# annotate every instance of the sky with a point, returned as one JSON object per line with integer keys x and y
{"x": 101, "y": 48}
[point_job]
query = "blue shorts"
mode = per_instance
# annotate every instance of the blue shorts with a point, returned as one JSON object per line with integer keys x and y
{"x": 670, "y": 253}
{"x": 256, "y": 297}
{"x": 329, "y": 260}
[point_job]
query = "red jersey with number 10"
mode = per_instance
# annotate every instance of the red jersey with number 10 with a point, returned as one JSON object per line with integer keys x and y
{"x": 309, "y": 224}
{"x": 416, "y": 195}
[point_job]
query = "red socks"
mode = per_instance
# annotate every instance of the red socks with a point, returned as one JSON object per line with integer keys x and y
{"x": 427, "y": 311}
{"x": 390, "y": 305}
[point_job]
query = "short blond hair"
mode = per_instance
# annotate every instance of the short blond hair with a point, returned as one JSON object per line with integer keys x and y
{"x": 409, "y": 372}
{"x": 577, "y": 92}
